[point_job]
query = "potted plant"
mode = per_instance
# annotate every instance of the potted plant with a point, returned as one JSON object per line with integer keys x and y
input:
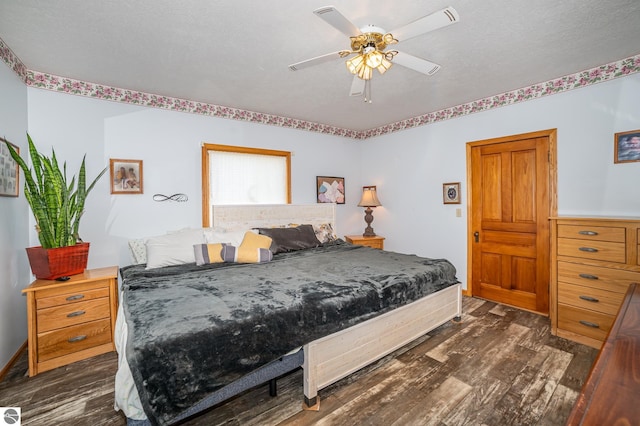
{"x": 57, "y": 205}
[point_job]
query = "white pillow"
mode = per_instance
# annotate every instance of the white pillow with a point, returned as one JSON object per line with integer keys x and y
{"x": 138, "y": 250}
{"x": 216, "y": 235}
{"x": 173, "y": 249}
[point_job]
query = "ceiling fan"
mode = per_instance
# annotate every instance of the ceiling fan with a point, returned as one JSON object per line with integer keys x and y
{"x": 370, "y": 42}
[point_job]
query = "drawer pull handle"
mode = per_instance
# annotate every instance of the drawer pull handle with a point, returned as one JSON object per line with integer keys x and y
{"x": 589, "y": 298}
{"x": 75, "y": 297}
{"x": 76, "y": 314}
{"x": 589, "y": 324}
{"x": 589, "y": 276}
{"x": 588, "y": 249}
{"x": 587, "y": 233}
{"x": 77, "y": 338}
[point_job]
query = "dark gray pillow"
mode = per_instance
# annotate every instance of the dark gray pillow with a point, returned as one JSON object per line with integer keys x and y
{"x": 291, "y": 239}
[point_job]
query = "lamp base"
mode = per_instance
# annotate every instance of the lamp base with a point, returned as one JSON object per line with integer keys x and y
{"x": 368, "y": 218}
{"x": 368, "y": 232}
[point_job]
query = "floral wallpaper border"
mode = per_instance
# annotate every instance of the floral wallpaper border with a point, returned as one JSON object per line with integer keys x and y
{"x": 588, "y": 77}
{"x": 12, "y": 60}
{"x": 56, "y": 83}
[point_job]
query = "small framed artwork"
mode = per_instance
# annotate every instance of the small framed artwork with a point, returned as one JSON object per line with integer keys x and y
{"x": 330, "y": 189}
{"x": 126, "y": 176}
{"x": 9, "y": 173}
{"x": 627, "y": 147}
{"x": 451, "y": 192}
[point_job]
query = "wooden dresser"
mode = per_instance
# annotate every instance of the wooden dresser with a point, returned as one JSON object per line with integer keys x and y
{"x": 71, "y": 320}
{"x": 376, "y": 242}
{"x": 611, "y": 394}
{"x": 593, "y": 261}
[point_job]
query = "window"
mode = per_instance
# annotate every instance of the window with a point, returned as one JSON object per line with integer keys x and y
{"x": 239, "y": 175}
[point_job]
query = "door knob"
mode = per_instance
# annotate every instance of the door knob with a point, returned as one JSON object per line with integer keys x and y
{"x": 476, "y": 235}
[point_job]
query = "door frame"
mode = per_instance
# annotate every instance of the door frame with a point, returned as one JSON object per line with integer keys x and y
{"x": 553, "y": 186}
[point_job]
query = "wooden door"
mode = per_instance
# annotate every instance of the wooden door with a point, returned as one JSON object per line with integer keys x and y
{"x": 512, "y": 184}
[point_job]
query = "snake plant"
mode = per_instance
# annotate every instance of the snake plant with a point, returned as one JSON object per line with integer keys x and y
{"x": 57, "y": 204}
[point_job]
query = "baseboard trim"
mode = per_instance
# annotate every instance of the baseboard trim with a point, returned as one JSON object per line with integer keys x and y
{"x": 13, "y": 360}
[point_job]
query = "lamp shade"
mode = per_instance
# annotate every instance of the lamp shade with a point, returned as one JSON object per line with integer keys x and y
{"x": 369, "y": 197}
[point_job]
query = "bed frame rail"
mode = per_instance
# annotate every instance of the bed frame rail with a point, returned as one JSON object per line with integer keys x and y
{"x": 334, "y": 357}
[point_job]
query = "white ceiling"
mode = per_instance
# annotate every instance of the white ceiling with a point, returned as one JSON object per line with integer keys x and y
{"x": 236, "y": 53}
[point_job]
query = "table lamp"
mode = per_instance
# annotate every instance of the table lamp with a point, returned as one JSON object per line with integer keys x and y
{"x": 369, "y": 199}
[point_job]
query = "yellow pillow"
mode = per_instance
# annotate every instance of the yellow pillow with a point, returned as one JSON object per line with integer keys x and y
{"x": 254, "y": 249}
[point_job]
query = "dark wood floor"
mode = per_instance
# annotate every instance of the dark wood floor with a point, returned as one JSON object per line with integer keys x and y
{"x": 499, "y": 366}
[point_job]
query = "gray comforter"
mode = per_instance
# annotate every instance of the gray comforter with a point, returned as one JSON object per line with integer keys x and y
{"x": 194, "y": 329}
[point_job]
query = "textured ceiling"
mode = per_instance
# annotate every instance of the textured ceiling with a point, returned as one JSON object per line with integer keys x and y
{"x": 236, "y": 53}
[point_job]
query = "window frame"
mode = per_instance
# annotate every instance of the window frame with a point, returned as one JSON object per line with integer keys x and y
{"x": 208, "y": 147}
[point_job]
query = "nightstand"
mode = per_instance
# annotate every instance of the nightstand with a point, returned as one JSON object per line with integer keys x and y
{"x": 376, "y": 242}
{"x": 71, "y": 320}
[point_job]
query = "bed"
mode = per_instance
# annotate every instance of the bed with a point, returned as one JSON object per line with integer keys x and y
{"x": 189, "y": 336}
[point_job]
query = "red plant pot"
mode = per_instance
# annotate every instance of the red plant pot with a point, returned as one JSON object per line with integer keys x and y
{"x": 54, "y": 263}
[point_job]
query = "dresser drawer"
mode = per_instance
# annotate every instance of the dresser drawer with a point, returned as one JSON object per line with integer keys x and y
{"x": 585, "y": 322}
{"x": 72, "y": 313}
{"x": 66, "y": 295}
{"x": 595, "y": 250}
{"x": 597, "y": 233}
{"x": 616, "y": 280}
{"x": 606, "y": 302}
{"x": 638, "y": 251}
{"x": 72, "y": 339}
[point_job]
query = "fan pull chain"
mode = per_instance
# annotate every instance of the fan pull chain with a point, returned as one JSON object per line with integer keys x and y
{"x": 367, "y": 92}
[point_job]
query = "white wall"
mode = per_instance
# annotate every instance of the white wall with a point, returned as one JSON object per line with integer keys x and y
{"x": 410, "y": 167}
{"x": 14, "y": 269}
{"x": 169, "y": 144}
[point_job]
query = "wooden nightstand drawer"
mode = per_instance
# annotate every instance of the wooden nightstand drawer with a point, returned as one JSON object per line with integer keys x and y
{"x": 67, "y": 296}
{"x": 597, "y": 233}
{"x": 376, "y": 242}
{"x": 603, "y": 301}
{"x": 73, "y": 339}
{"x": 615, "y": 280}
{"x": 72, "y": 314}
{"x": 596, "y": 250}
{"x": 585, "y": 322}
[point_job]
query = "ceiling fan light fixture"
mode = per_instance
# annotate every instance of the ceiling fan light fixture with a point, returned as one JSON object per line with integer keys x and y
{"x": 358, "y": 66}
{"x": 365, "y": 72}
{"x": 384, "y": 66}
{"x": 355, "y": 64}
{"x": 373, "y": 59}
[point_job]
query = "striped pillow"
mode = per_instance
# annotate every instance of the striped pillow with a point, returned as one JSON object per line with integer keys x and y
{"x": 213, "y": 253}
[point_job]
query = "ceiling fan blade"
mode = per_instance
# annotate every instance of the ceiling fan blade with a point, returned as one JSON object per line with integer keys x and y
{"x": 337, "y": 20}
{"x": 427, "y": 23}
{"x": 357, "y": 86}
{"x": 318, "y": 60}
{"x": 415, "y": 63}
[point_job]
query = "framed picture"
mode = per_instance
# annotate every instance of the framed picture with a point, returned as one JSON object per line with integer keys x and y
{"x": 9, "y": 173}
{"x": 126, "y": 176}
{"x": 330, "y": 189}
{"x": 451, "y": 192}
{"x": 627, "y": 147}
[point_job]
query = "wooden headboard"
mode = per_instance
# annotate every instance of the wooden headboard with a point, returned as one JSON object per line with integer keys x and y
{"x": 243, "y": 217}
